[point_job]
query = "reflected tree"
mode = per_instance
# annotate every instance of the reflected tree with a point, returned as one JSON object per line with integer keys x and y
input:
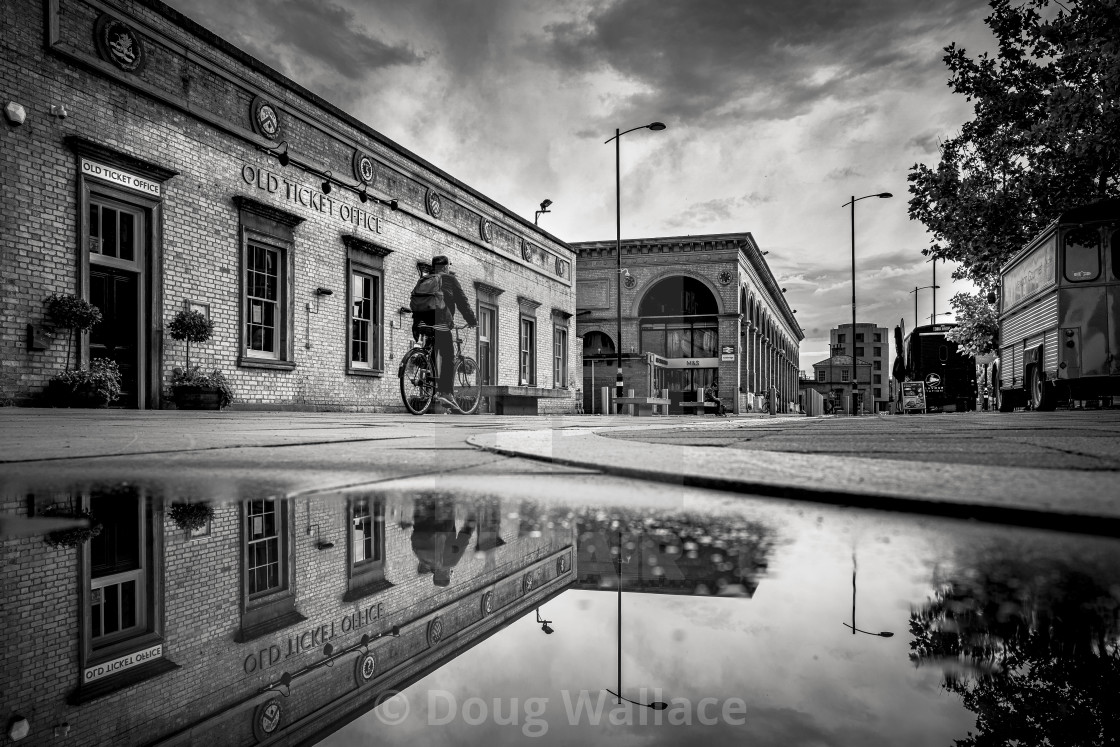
{"x": 1031, "y": 647}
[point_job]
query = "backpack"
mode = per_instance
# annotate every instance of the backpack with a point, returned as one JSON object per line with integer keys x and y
{"x": 428, "y": 294}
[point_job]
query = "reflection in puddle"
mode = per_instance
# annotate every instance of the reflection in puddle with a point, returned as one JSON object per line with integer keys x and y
{"x": 416, "y": 615}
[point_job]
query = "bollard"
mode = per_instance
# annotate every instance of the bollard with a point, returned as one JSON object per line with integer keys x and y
{"x": 605, "y": 396}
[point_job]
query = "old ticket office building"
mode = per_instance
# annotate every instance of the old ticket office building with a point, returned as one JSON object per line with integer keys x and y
{"x": 152, "y": 166}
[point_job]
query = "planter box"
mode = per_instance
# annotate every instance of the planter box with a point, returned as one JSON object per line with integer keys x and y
{"x": 197, "y": 398}
{"x": 58, "y": 394}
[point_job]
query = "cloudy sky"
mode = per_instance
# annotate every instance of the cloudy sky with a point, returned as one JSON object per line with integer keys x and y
{"x": 777, "y": 113}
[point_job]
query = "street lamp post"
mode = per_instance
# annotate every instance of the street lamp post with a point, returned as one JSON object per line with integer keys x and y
{"x": 655, "y": 126}
{"x": 852, "y": 202}
{"x": 915, "y": 292}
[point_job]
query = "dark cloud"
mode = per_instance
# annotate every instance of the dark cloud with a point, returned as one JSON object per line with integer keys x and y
{"x": 303, "y": 39}
{"x": 731, "y": 60}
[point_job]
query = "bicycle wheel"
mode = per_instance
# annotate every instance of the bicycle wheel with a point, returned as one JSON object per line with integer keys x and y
{"x": 417, "y": 386}
{"x": 467, "y": 390}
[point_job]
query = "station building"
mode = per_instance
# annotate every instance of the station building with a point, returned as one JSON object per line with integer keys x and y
{"x": 872, "y": 344}
{"x": 693, "y": 308}
{"x": 151, "y": 166}
{"x": 277, "y": 621}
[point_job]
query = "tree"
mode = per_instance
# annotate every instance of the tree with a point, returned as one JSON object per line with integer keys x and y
{"x": 1045, "y": 136}
{"x": 977, "y": 327}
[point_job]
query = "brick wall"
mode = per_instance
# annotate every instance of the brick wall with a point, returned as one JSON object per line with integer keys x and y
{"x": 211, "y": 696}
{"x": 143, "y": 115}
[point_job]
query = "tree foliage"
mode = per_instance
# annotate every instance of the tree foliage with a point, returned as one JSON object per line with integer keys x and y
{"x": 1030, "y": 645}
{"x": 1045, "y": 136}
{"x": 977, "y": 327}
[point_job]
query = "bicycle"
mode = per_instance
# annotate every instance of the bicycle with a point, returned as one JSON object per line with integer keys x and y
{"x": 418, "y": 381}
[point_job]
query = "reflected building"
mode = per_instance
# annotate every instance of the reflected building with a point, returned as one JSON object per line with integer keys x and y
{"x": 279, "y": 619}
{"x": 673, "y": 556}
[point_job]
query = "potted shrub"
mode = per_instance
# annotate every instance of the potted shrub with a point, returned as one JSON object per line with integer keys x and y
{"x": 74, "y": 314}
{"x": 97, "y": 385}
{"x": 191, "y": 516}
{"x": 195, "y": 389}
{"x": 192, "y": 388}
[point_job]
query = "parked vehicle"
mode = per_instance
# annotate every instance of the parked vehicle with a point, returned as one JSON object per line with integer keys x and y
{"x": 949, "y": 375}
{"x": 1059, "y": 318}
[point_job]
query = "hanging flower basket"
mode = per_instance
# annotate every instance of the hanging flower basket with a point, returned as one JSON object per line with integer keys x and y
{"x": 191, "y": 516}
{"x": 75, "y": 536}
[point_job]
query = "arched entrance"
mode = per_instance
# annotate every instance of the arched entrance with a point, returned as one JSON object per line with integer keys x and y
{"x": 679, "y": 324}
{"x": 598, "y": 369}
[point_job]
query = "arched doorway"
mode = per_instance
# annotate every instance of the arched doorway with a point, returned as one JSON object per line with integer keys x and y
{"x": 679, "y": 323}
{"x": 598, "y": 360}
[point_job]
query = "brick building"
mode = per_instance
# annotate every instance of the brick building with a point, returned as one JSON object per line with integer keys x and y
{"x": 281, "y": 619}
{"x": 693, "y": 307}
{"x": 151, "y": 166}
{"x": 832, "y": 377}
{"x": 873, "y": 346}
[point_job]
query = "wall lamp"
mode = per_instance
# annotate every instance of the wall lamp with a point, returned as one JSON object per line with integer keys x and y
{"x": 323, "y": 292}
{"x": 393, "y": 204}
{"x": 284, "y": 682}
{"x": 321, "y": 544}
{"x": 544, "y": 209}
{"x": 327, "y": 182}
{"x": 394, "y": 632}
{"x": 544, "y": 623}
{"x": 624, "y": 272}
{"x": 281, "y": 153}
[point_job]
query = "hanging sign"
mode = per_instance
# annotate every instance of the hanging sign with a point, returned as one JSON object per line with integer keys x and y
{"x": 914, "y": 396}
{"x": 119, "y": 177}
{"x": 692, "y": 362}
{"x": 122, "y": 663}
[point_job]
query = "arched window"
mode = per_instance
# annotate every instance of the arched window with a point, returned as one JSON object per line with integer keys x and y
{"x": 597, "y": 343}
{"x": 679, "y": 319}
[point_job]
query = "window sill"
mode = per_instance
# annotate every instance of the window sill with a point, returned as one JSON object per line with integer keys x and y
{"x": 367, "y": 372}
{"x": 247, "y": 362}
{"x": 271, "y": 625}
{"x": 115, "y": 682}
{"x": 366, "y": 590}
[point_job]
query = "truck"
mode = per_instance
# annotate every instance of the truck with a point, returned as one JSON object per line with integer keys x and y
{"x": 1059, "y": 312}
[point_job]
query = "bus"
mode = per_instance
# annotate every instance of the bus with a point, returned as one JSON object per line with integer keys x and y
{"x": 949, "y": 375}
{"x": 1059, "y": 312}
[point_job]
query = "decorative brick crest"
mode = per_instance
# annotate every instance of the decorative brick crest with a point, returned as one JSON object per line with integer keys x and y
{"x": 486, "y": 229}
{"x": 364, "y": 167}
{"x": 118, "y": 43}
{"x": 265, "y": 118}
{"x": 365, "y": 668}
{"x": 434, "y": 203}
{"x": 435, "y": 631}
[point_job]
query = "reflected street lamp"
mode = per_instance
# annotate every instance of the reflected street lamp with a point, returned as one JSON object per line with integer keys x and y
{"x": 656, "y": 705}
{"x": 655, "y": 126}
{"x": 881, "y": 634}
{"x": 855, "y": 369}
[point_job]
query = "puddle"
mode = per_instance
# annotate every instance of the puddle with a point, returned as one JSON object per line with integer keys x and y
{"x": 412, "y": 612}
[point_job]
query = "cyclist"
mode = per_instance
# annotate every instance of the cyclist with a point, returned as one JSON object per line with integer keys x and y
{"x": 440, "y": 318}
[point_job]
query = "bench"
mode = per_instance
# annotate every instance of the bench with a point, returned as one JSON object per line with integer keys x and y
{"x": 520, "y": 400}
{"x": 640, "y": 404}
{"x": 699, "y": 407}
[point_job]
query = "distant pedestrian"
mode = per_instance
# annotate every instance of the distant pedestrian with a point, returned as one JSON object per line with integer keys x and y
{"x": 711, "y": 394}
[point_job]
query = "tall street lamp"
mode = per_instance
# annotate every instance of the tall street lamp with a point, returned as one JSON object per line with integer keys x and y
{"x": 852, "y": 202}
{"x": 655, "y": 126}
{"x": 915, "y": 292}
